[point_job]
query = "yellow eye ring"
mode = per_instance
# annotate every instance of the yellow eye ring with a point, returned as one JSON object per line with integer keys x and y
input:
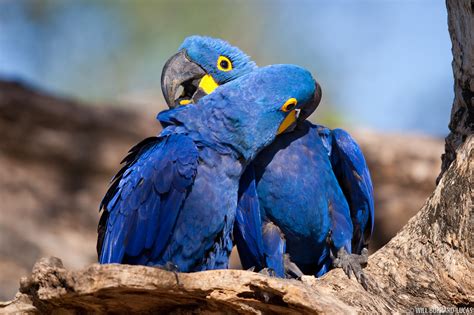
{"x": 224, "y": 64}
{"x": 289, "y": 105}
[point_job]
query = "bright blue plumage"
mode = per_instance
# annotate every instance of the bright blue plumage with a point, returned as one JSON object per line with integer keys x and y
{"x": 175, "y": 199}
{"x": 250, "y": 239}
{"x": 353, "y": 175}
{"x": 157, "y": 177}
{"x": 314, "y": 184}
{"x": 206, "y": 50}
{"x": 309, "y": 191}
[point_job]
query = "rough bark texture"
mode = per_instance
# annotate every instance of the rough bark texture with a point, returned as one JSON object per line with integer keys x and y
{"x": 461, "y": 26}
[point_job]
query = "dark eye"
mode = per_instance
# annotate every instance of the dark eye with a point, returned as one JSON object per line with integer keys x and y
{"x": 289, "y": 105}
{"x": 224, "y": 64}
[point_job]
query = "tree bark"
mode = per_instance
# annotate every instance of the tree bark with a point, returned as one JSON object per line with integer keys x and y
{"x": 461, "y": 26}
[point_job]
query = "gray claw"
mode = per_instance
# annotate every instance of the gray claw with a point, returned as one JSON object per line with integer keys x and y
{"x": 268, "y": 272}
{"x": 364, "y": 281}
{"x": 364, "y": 256}
{"x": 291, "y": 269}
{"x": 352, "y": 264}
{"x": 169, "y": 266}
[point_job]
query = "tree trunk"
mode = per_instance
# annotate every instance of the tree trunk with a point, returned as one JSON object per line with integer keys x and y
{"x": 461, "y": 29}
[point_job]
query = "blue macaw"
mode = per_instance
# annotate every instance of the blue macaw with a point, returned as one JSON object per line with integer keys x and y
{"x": 320, "y": 203}
{"x": 308, "y": 194}
{"x": 174, "y": 201}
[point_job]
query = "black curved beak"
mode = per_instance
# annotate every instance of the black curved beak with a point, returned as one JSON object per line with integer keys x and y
{"x": 178, "y": 71}
{"x": 311, "y": 107}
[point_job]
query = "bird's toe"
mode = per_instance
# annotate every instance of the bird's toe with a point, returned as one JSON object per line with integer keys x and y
{"x": 268, "y": 272}
{"x": 291, "y": 269}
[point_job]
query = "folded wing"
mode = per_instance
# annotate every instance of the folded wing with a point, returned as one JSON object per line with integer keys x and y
{"x": 144, "y": 200}
{"x": 353, "y": 175}
{"x": 260, "y": 243}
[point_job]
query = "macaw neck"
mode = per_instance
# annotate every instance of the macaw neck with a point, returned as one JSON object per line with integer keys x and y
{"x": 226, "y": 164}
{"x": 216, "y": 127}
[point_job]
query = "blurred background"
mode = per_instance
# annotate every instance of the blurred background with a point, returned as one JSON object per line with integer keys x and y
{"x": 80, "y": 83}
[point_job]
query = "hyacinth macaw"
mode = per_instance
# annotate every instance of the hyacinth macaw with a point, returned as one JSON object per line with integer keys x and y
{"x": 308, "y": 194}
{"x": 321, "y": 203}
{"x": 174, "y": 201}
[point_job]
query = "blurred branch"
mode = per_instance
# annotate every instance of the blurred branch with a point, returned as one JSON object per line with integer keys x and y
{"x": 48, "y": 125}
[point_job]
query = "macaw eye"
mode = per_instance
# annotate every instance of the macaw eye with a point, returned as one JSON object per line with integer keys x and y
{"x": 289, "y": 105}
{"x": 224, "y": 64}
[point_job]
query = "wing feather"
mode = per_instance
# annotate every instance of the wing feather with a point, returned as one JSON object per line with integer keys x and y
{"x": 141, "y": 207}
{"x": 248, "y": 223}
{"x": 354, "y": 178}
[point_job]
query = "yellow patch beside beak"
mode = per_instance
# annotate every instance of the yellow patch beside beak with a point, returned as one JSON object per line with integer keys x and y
{"x": 289, "y": 120}
{"x": 207, "y": 84}
{"x": 184, "y": 102}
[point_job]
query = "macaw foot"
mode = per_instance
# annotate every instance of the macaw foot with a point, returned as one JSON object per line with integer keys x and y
{"x": 268, "y": 272}
{"x": 169, "y": 266}
{"x": 291, "y": 269}
{"x": 352, "y": 263}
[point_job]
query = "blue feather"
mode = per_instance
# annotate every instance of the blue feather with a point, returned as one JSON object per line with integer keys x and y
{"x": 274, "y": 248}
{"x": 354, "y": 177}
{"x": 139, "y": 221}
{"x": 248, "y": 224}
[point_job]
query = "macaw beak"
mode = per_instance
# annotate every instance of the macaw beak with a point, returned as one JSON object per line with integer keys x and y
{"x": 288, "y": 123}
{"x": 178, "y": 71}
{"x": 307, "y": 110}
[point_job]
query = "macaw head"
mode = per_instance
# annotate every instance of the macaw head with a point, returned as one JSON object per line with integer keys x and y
{"x": 200, "y": 66}
{"x": 204, "y": 63}
{"x": 247, "y": 113}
